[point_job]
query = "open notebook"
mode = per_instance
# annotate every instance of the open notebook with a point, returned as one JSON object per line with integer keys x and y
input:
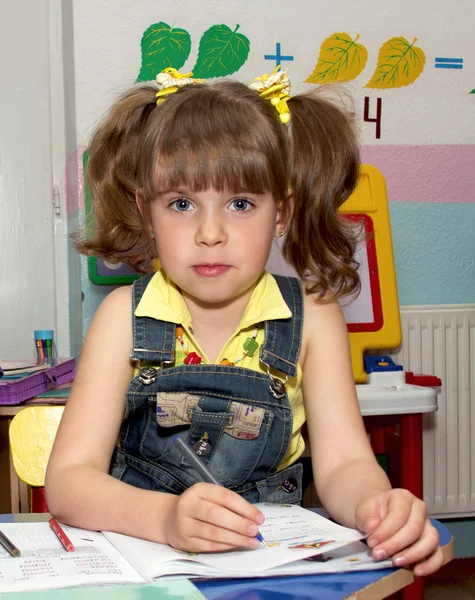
{"x": 295, "y": 537}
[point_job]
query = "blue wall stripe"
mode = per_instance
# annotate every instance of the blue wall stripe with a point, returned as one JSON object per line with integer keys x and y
{"x": 434, "y": 252}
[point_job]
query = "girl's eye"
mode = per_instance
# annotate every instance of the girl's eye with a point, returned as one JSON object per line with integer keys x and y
{"x": 240, "y": 205}
{"x": 182, "y": 205}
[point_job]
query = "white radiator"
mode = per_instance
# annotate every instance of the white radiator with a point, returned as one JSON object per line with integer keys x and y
{"x": 440, "y": 340}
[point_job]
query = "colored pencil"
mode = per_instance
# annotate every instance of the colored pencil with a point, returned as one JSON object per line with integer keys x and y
{"x": 62, "y": 537}
{"x": 9, "y": 546}
{"x": 40, "y": 350}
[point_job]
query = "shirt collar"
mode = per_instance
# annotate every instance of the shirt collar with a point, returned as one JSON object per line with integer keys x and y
{"x": 163, "y": 301}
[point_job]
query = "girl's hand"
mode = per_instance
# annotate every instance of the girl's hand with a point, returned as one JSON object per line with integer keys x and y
{"x": 211, "y": 518}
{"x": 398, "y": 527}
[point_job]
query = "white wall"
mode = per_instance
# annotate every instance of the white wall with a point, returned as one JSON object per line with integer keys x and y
{"x": 33, "y": 233}
{"x": 425, "y": 151}
{"x": 427, "y": 131}
{"x": 108, "y": 57}
{"x": 27, "y": 283}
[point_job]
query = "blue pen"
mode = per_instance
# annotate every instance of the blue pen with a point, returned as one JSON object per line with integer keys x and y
{"x": 201, "y": 468}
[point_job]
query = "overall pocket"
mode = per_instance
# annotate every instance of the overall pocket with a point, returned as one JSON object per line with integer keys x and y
{"x": 228, "y": 435}
{"x": 233, "y": 442}
{"x": 168, "y": 414}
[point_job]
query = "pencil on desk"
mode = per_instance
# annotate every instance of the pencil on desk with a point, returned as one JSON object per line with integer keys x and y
{"x": 9, "y": 546}
{"x": 62, "y": 537}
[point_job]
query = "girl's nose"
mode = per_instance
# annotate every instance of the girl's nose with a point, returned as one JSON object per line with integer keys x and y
{"x": 211, "y": 231}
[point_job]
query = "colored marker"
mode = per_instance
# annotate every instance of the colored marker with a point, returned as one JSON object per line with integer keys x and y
{"x": 62, "y": 537}
{"x": 9, "y": 546}
{"x": 39, "y": 347}
{"x": 201, "y": 468}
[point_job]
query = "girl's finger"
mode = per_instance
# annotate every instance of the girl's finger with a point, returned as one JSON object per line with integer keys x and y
{"x": 407, "y": 535}
{"x": 221, "y": 517}
{"x": 425, "y": 546}
{"x": 199, "y": 545}
{"x": 431, "y": 565}
{"x": 203, "y": 531}
{"x": 400, "y": 507}
{"x": 230, "y": 500}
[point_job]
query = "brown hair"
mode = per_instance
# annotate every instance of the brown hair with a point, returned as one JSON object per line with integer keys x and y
{"x": 223, "y": 135}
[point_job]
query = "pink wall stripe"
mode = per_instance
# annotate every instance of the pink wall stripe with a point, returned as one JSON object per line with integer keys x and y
{"x": 444, "y": 173}
{"x": 75, "y": 199}
{"x": 425, "y": 173}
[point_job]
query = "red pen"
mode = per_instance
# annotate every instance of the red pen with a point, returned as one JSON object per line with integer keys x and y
{"x": 62, "y": 537}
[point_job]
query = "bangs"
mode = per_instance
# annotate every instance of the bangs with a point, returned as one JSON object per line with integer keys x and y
{"x": 219, "y": 166}
{"x": 211, "y": 141}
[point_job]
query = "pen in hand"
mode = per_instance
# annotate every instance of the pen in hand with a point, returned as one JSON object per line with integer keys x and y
{"x": 201, "y": 468}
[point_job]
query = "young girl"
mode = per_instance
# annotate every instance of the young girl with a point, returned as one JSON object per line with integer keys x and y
{"x": 213, "y": 348}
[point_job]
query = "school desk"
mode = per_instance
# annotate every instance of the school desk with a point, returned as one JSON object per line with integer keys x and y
{"x": 377, "y": 405}
{"x": 365, "y": 585}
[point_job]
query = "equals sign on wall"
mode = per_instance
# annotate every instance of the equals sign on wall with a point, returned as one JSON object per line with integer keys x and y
{"x": 449, "y": 63}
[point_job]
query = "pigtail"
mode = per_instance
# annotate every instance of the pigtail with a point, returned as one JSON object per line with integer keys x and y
{"x": 325, "y": 162}
{"x": 116, "y": 232}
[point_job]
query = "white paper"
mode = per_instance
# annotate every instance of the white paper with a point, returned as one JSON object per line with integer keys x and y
{"x": 115, "y": 558}
{"x": 285, "y": 526}
{"x": 44, "y": 563}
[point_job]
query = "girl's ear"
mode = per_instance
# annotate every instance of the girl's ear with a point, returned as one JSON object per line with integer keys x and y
{"x": 143, "y": 210}
{"x": 139, "y": 200}
{"x": 284, "y": 214}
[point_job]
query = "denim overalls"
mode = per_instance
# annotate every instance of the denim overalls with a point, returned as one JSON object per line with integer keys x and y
{"x": 237, "y": 420}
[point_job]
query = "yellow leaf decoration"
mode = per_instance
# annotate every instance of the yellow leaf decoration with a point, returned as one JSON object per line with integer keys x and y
{"x": 399, "y": 63}
{"x": 340, "y": 59}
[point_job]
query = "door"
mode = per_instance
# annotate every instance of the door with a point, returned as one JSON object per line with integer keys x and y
{"x": 28, "y": 286}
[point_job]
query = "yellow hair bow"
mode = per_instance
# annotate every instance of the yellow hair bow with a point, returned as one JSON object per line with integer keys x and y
{"x": 275, "y": 87}
{"x": 171, "y": 80}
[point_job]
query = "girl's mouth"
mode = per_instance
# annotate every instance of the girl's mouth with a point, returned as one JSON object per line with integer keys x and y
{"x": 211, "y": 270}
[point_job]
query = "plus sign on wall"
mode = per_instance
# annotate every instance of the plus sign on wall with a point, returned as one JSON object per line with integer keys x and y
{"x": 278, "y": 57}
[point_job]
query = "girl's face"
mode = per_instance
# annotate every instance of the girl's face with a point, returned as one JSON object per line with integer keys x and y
{"x": 213, "y": 245}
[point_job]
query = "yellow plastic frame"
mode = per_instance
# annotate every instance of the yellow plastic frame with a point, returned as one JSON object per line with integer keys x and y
{"x": 370, "y": 198}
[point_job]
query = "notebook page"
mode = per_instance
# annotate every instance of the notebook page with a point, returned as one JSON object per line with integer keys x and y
{"x": 286, "y": 527}
{"x": 355, "y": 556}
{"x": 291, "y": 533}
{"x": 44, "y": 562}
{"x": 154, "y": 560}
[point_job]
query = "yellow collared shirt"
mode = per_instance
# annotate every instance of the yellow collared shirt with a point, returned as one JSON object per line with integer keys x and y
{"x": 163, "y": 301}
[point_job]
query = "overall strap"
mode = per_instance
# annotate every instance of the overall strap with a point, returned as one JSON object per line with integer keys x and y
{"x": 154, "y": 341}
{"x": 283, "y": 337}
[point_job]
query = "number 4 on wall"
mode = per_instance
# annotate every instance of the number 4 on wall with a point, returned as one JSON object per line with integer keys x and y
{"x": 377, "y": 118}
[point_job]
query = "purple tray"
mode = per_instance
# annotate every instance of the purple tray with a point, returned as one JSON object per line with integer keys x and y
{"x": 16, "y": 391}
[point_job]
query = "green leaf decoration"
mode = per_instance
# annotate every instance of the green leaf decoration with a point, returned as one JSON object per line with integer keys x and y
{"x": 221, "y": 52}
{"x": 473, "y": 91}
{"x": 163, "y": 47}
